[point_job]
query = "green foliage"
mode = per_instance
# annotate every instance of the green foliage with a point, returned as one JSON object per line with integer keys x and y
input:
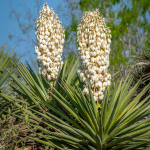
{"x": 7, "y": 131}
{"x": 142, "y": 65}
{"x": 146, "y": 51}
{"x": 66, "y": 119}
{"x": 66, "y": 34}
{"x": 128, "y": 21}
{"x": 11, "y": 133}
{"x": 5, "y": 63}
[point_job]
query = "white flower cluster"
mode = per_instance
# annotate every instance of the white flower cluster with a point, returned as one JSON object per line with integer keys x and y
{"x": 50, "y": 37}
{"x": 94, "y": 48}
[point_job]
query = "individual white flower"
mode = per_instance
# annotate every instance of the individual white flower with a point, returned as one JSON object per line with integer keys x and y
{"x": 101, "y": 97}
{"x": 93, "y": 49}
{"x": 50, "y": 37}
{"x": 81, "y": 75}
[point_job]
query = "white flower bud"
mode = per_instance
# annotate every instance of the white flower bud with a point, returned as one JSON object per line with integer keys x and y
{"x": 95, "y": 98}
{"x": 108, "y": 82}
{"x": 100, "y": 93}
{"x": 84, "y": 79}
{"x": 81, "y": 75}
{"x": 92, "y": 59}
{"x": 44, "y": 72}
{"x": 47, "y": 50}
{"x": 41, "y": 45}
{"x": 36, "y": 51}
{"x": 78, "y": 71}
{"x": 40, "y": 70}
{"x": 109, "y": 41}
{"x": 101, "y": 97}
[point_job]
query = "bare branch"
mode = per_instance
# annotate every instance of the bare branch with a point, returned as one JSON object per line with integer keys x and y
{"x": 26, "y": 28}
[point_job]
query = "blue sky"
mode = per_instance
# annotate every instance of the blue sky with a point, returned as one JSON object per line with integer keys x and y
{"x": 10, "y": 26}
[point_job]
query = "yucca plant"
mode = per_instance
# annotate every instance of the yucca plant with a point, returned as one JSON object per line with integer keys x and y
{"x": 33, "y": 88}
{"x": 67, "y": 119}
{"x": 5, "y": 62}
{"x": 5, "y": 81}
{"x": 30, "y": 92}
{"x": 142, "y": 65}
{"x": 64, "y": 118}
{"x": 6, "y": 119}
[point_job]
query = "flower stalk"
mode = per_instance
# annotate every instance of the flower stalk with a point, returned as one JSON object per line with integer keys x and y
{"x": 93, "y": 49}
{"x": 50, "y": 37}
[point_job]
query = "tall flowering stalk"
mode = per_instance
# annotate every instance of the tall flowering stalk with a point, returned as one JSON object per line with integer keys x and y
{"x": 50, "y": 37}
{"x": 94, "y": 48}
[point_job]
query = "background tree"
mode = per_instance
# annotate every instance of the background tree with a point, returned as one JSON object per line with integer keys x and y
{"x": 142, "y": 65}
{"x": 128, "y": 19}
{"x": 26, "y": 20}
